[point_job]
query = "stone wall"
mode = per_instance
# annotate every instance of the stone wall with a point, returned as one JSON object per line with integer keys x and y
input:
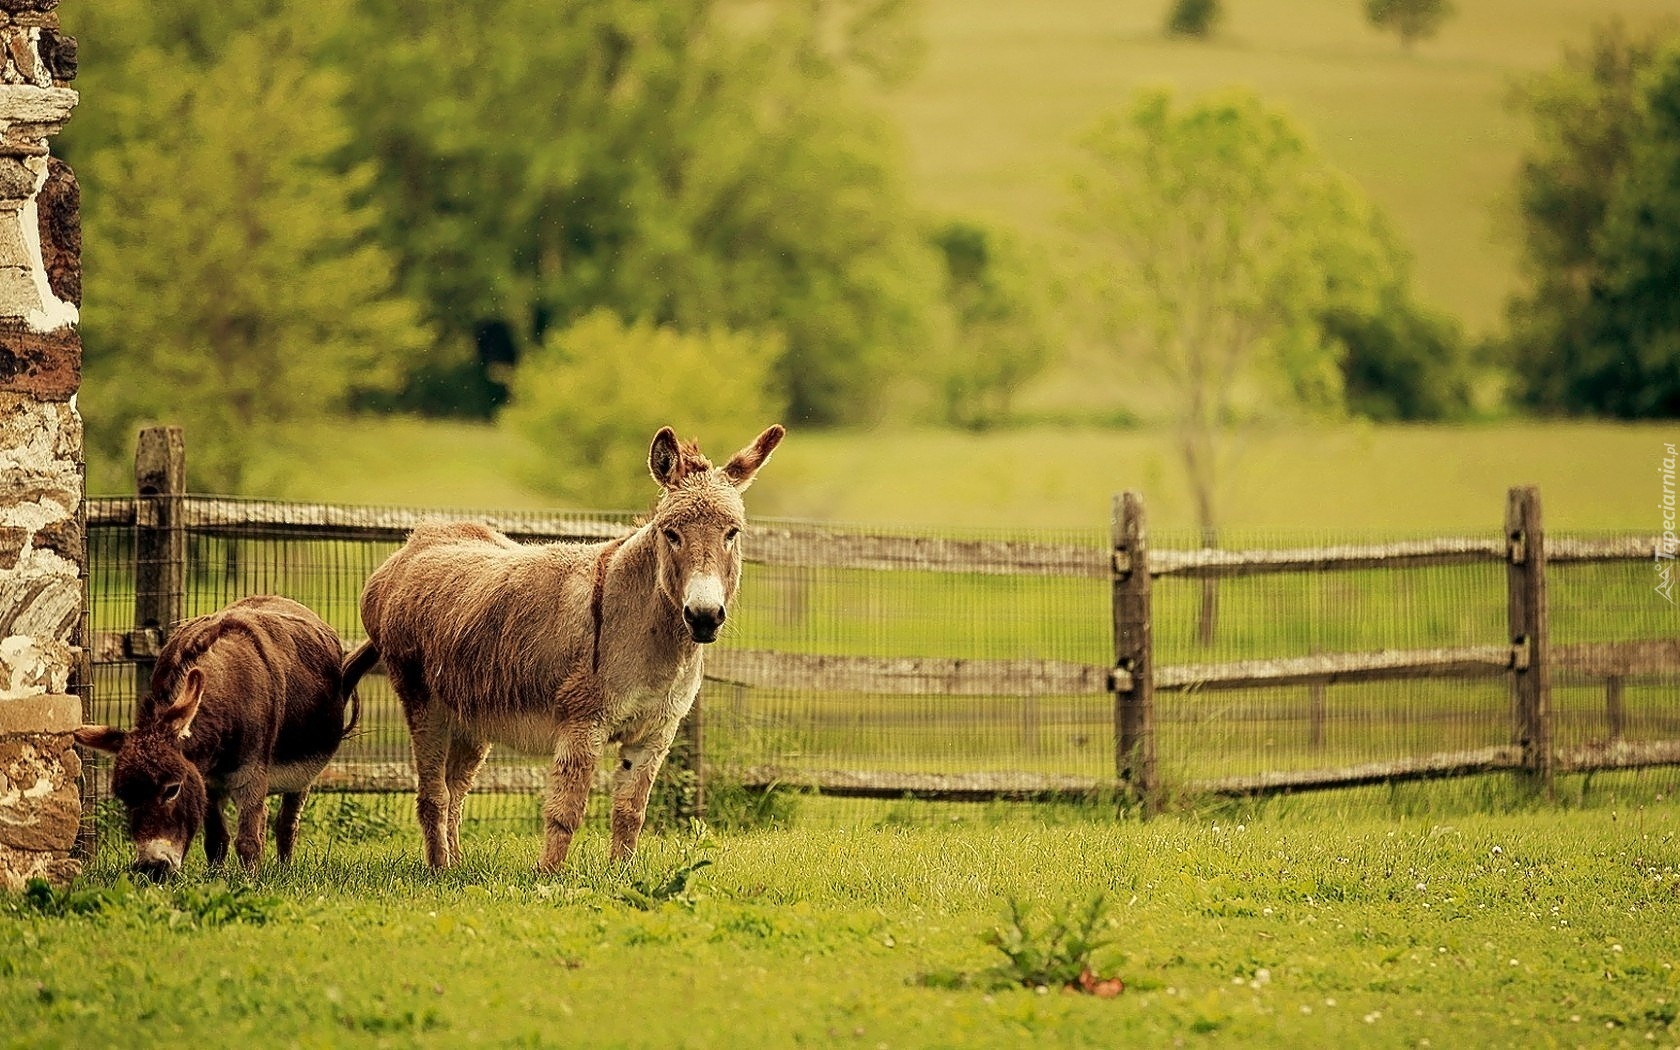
{"x": 42, "y": 547}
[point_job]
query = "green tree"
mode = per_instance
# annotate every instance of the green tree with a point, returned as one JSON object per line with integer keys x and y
{"x": 1003, "y": 323}
{"x": 1586, "y": 335}
{"x": 234, "y": 285}
{"x": 600, "y": 388}
{"x": 1218, "y": 242}
{"x": 1197, "y": 18}
{"x": 1633, "y": 320}
{"x": 678, "y": 163}
{"x": 1402, "y": 360}
{"x": 1413, "y": 20}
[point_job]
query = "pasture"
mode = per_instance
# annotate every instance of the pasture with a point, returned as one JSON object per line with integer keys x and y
{"x": 1352, "y": 478}
{"x": 1005, "y": 89}
{"x": 1379, "y": 918}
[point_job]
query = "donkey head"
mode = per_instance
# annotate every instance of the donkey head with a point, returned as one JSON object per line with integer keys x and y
{"x": 698, "y": 522}
{"x": 162, "y": 791}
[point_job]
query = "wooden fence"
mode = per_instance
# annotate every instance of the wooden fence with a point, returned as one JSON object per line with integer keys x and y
{"x": 162, "y": 516}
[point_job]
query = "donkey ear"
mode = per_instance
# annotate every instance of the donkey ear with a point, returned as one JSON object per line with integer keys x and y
{"x": 743, "y": 465}
{"x": 178, "y": 717}
{"x": 101, "y": 738}
{"x": 665, "y": 458}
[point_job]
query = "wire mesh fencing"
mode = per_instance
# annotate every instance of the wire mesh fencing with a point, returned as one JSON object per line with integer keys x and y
{"x": 975, "y": 664}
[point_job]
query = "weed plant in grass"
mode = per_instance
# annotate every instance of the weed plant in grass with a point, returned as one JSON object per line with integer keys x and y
{"x": 1298, "y": 922}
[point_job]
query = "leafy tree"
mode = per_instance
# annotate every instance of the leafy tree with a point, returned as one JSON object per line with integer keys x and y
{"x": 1402, "y": 361}
{"x": 1632, "y": 365}
{"x": 1593, "y": 195}
{"x": 601, "y": 388}
{"x": 1218, "y": 242}
{"x": 1002, "y": 323}
{"x": 1413, "y": 20}
{"x": 1197, "y": 18}
{"x": 677, "y": 163}
{"x": 233, "y": 281}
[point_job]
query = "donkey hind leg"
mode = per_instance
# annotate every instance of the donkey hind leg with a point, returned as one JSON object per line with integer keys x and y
{"x": 431, "y": 737}
{"x": 428, "y": 732}
{"x": 569, "y": 779}
{"x": 215, "y": 831}
{"x": 249, "y": 791}
{"x": 638, "y": 765}
{"x": 465, "y": 757}
{"x": 286, "y": 824}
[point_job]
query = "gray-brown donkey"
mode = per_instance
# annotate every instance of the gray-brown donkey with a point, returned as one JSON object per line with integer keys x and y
{"x": 244, "y": 703}
{"x": 559, "y": 648}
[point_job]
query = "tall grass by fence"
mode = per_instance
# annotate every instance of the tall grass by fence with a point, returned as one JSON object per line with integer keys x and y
{"x": 975, "y": 664}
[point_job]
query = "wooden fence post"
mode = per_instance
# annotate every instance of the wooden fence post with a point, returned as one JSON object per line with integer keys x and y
{"x": 1525, "y": 576}
{"x": 160, "y": 546}
{"x": 1133, "y": 681}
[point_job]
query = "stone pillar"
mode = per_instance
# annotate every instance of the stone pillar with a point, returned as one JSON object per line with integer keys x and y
{"x": 43, "y": 551}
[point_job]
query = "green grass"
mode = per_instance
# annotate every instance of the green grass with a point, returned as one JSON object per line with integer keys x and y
{"x": 1006, "y": 87}
{"x": 1378, "y": 923}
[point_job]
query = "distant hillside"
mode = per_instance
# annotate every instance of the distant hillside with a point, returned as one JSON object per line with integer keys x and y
{"x": 1006, "y": 86}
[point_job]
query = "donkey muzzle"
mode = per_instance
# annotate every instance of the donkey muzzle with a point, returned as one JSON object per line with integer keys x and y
{"x": 703, "y": 623}
{"x": 156, "y": 859}
{"x": 703, "y": 606}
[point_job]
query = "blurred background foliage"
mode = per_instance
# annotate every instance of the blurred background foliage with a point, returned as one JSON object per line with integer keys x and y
{"x": 573, "y": 221}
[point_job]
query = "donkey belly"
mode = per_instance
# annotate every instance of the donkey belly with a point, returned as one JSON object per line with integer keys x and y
{"x": 289, "y": 778}
{"x": 532, "y": 733}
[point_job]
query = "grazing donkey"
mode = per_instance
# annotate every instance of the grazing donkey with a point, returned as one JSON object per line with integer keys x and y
{"x": 244, "y": 703}
{"x": 560, "y": 648}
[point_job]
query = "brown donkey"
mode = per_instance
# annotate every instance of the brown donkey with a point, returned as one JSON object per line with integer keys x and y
{"x": 244, "y": 703}
{"x": 560, "y": 648}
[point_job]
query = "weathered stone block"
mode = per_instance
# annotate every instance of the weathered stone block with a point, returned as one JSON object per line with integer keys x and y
{"x": 45, "y": 365}
{"x": 16, "y": 7}
{"x": 40, "y": 801}
{"x": 58, "y": 52}
{"x": 13, "y": 542}
{"x": 23, "y": 61}
{"x": 52, "y": 713}
{"x": 67, "y": 539}
{"x": 34, "y": 667}
{"x": 16, "y": 180}
{"x": 27, "y": 104}
{"x": 59, "y": 207}
{"x": 39, "y": 606}
{"x": 17, "y": 867}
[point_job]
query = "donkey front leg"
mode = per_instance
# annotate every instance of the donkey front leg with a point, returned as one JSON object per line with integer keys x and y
{"x": 249, "y": 791}
{"x": 215, "y": 831}
{"x": 569, "y": 780}
{"x": 639, "y": 762}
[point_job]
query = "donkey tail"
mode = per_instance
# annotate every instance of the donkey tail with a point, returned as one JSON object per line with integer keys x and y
{"x": 358, "y": 663}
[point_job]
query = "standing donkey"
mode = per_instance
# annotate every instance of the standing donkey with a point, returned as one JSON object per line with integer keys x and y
{"x": 561, "y": 648}
{"x": 244, "y": 703}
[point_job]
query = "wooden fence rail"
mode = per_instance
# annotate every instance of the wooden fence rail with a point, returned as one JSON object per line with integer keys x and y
{"x": 162, "y": 515}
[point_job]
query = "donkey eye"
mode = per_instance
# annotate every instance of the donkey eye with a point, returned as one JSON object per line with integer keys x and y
{"x": 673, "y": 537}
{"x": 730, "y": 536}
{"x": 171, "y": 791}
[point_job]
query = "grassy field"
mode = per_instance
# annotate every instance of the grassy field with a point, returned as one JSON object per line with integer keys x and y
{"x": 1007, "y": 87}
{"x": 1396, "y": 923}
{"x": 1328, "y": 480}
